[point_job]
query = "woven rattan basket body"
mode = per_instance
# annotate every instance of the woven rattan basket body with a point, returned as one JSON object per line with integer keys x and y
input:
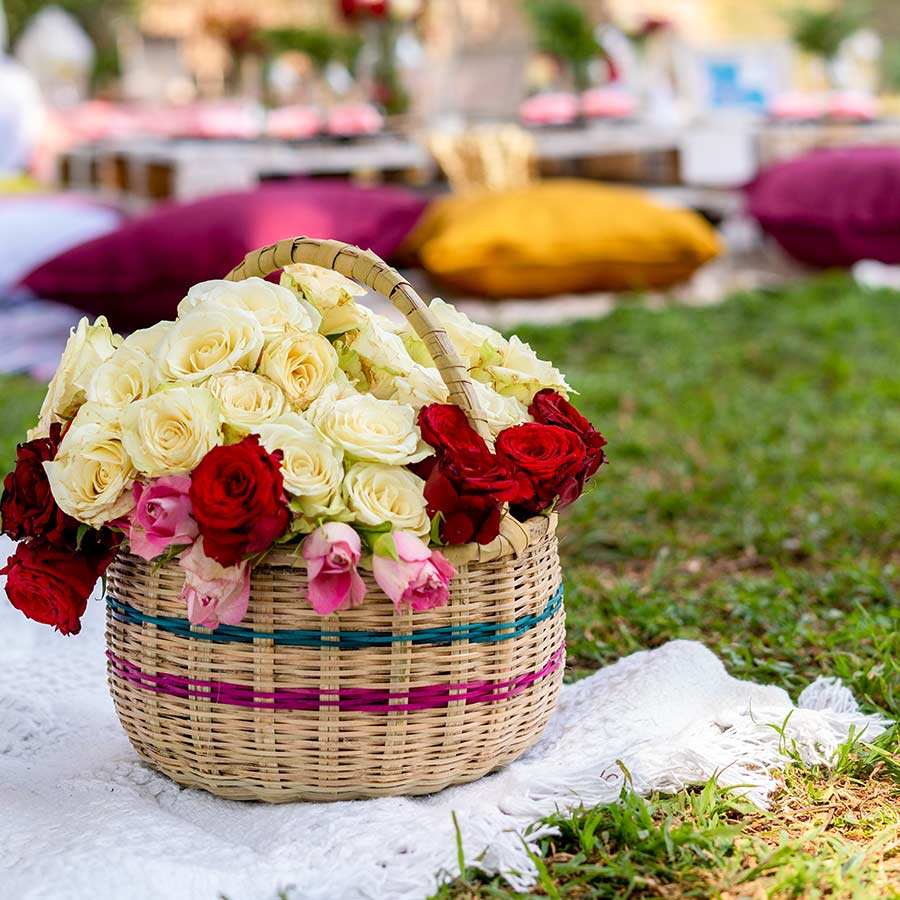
{"x": 290, "y": 705}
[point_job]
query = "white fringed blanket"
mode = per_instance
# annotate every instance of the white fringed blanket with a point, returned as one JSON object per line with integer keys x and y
{"x": 81, "y": 818}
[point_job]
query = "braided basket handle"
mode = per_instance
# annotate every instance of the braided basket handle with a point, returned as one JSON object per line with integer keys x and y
{"x": 372, "y": 271}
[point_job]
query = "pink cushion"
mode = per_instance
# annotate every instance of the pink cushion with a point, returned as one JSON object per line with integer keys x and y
{"x": 138, "y": 274}
{"x": 833, "y": 207}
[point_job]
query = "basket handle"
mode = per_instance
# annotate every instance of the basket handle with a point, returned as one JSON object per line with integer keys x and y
{"x": 372, "y": 271}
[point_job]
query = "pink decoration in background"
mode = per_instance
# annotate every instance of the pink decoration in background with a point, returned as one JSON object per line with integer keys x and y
{"x": 550, "y": 109}
{"x": 332, "y": 553}
{"x": 161, "y": 517}
{"x": 607, "y": 103}
{"x": 353, "y": 119}
{"x": 797, "y": 107}
{"x": 419, "y": 579}
{"x": 850, "y": 106}
{"x": 215, "y": 595}
{"x": 294, "y": 122}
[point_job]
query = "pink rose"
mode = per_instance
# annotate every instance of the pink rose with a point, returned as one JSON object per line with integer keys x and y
{"x": 161, "y": 517}
{"x": 332, "y": 554}
{"x": 214, "y": 594}
{"x": 419, "y": 578}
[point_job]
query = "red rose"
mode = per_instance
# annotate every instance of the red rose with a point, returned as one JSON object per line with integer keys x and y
{"x": 237, "y": 493}
{"x": 550, "y": 457}
{"x": 445, "y": 427}
{"x": 550, "y": 408}
{"x": 468, "y": 488}
{"x": 353, "y": 8}
{"x": 27, "y": 506}
{"x": 50, "y": 584}
{"x": 464, "y": 481}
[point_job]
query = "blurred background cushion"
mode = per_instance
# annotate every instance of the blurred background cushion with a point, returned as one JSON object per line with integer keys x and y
{"x": 138, "y": 274}
{"x": 832, "y": 207}
{"x": 560, "y": 236}
{"x": 36, "y": 227}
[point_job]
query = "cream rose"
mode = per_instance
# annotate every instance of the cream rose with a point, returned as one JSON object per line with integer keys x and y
{"x": 420, "y": 387}
{"x": 148, "y": 339}
{"x": 330, "y": 292}
{"x": 475, "y": 343}
{"x": 499, "y": 411}
{"x": 129, "y": 374}
{"x": 376, "y": 493}
{"x": 373, "y": 430}
{"x": 87, "y": 347}
{"x": 376, "y": 357}
{"x": 247, "y": 400}
{"x": 301, "y": 363}
{"x": 521, "y": 374}
{"x": 312, "y": 467}
{"x": 169, "y": 432}
{"x": 207, "y": 341}
{"x": 273, "y": 306}
{"x": 92, "y": 473}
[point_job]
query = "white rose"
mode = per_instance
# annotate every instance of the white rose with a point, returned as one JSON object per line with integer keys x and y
{"x": 420, "y": 387}
{"x": 473, "y": 342}
{"x": 273, "y": 306}
{"x": 521, "y": 374}
{"x": 129, "y": 374}
{"x": 312, "y": 467}
{"x": 337, "y": 389}
{"x": 148, "y": 339}
{"x": 373, "y": 356}
{"x": 376, "y": 493}
{"x": 247, "y": 400}
{"x": 87, "y": 347}
{"x": 377, "y": 357}
{"x": 371, "y": 429}
{"x": 207, "y": 341}
{"x": 301, "y": 363}
{"x": 92, "y": 474}
{"x": 499, "y": 411}
{"x": 169, "y": 432}
{"x": 330, "y": 292}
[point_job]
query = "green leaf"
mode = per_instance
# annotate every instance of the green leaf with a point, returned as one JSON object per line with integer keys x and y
{"x": 435, "y": 534}
{"x": 384, "y": 545}
{"x": 81, "y": 534}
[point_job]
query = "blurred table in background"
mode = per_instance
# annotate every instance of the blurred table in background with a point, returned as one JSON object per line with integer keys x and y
{"x": 712, "y": 156}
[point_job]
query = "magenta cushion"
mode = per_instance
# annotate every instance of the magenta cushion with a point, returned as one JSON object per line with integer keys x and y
{"x": 832, "y": 207}
{"x": 138, "y": 274}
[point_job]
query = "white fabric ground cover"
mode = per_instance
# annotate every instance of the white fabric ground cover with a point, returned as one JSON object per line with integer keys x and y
{"x": 82, "y": 818}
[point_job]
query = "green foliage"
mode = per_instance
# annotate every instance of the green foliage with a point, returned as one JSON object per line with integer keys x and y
{"x": 890, "y": 65}
{"x": 821, "y": 31}
{"x": 319, "y": 44}
{"x": 563, "y": 30}
{"x": 20, "y": 400}
{"x": 750, "y": 503}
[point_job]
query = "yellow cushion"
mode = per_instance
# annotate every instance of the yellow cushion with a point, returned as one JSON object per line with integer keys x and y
{"x": 560, "y": 236}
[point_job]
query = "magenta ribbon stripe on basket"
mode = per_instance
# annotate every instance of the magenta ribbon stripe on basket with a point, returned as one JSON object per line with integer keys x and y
{"x": 345, "y": 699}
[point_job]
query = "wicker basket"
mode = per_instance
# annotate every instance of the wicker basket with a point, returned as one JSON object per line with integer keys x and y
{"x": 368, "y": 701}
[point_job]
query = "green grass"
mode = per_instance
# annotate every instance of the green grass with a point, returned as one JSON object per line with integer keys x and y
{"x": 752, "y": 502}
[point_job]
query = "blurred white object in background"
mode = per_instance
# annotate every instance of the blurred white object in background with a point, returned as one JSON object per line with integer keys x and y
{"x": 720, "y": 152}
{"x": 875, "y": 276}
{"x": 22, "y": 116}
{"x": 856, "y": 68}
{"x": 34, "y": 228}
{"x": 60, "y": 55}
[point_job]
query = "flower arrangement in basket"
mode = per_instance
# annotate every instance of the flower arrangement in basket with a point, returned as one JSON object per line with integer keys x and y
{"x": 328, "y": 538}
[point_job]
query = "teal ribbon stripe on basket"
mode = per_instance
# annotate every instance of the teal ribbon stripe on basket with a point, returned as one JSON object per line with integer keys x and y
{"x": 476, "y": 632}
